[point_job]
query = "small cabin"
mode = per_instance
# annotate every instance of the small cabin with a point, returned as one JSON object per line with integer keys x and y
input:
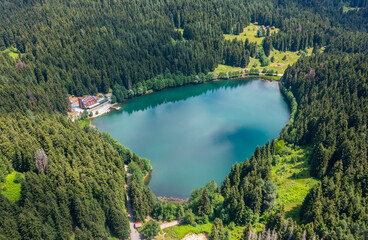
{"x": 137, "y": 225}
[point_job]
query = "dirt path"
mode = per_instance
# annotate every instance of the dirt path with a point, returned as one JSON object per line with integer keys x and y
{"x": 170, "y": 224}
{"x": 134, "y": 234}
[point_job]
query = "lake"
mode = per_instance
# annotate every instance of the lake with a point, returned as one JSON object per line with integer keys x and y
{"x": 194, "y": 134}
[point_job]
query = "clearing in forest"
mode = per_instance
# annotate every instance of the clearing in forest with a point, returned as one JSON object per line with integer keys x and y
{"x": 249, "y": 33}
{"x": 290, "y": 172}
{"x": 12, "y": 186}
{"x": 13, "y": 52}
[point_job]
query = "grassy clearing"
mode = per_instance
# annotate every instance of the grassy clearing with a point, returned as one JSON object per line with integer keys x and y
{"x": 347, "y": 9}
{"x": 179, "y": 231}
{"x": 84, "y": 122}
{"x": 225, "y": 68}
{"x": 279, "y": 64}
{"x": 179, "y": 30}
{"x": 291, "y": 175}
{"x": 13, "y": 52}
{"x": 11, "y": 188}
{"x": 249, "y": 33}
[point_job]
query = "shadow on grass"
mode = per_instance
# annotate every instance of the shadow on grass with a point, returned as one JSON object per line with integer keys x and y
{"x": 294, "y": 213}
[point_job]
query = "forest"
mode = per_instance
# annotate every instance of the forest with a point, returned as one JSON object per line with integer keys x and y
{"x": 67, "y": 181}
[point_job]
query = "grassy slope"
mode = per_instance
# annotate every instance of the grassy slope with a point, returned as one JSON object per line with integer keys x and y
{"x": 226, "y": 68}
{"x": 12, "y": 191}
{"x": 291, "y": 175}
{"x": 249, "y": 33}
{"x": 292, "y": 57}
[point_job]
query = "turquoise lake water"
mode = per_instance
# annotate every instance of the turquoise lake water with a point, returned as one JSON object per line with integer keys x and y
{"x": 194, "y": 134}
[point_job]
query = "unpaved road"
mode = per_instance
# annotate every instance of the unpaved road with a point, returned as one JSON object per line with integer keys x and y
{"x": 170, "y": 224}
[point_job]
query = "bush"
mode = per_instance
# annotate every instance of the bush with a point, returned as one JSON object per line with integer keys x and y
{"x": 84, "y": 115}
{"x": 151, "y": 229}
{"x": 231, "y": 226}
{"x": 189, "y": 218}
{"x": 18, "y": 178}
{"x": 202, "y": 220}
{"x": 113, "y": 99}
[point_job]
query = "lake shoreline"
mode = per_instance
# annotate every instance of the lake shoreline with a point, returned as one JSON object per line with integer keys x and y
{"x": 219, "y": 95}
{"x": 116, "y": 106}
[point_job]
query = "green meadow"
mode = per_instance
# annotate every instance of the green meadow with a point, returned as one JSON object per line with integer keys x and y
{"x": 12, "y": 186}
{"x": 249, "y": 33}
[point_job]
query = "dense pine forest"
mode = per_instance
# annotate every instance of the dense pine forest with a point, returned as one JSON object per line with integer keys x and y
{"x": 71, "y": 179}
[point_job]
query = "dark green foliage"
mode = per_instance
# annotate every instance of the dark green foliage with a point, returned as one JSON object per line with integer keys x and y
{"x": 84, "y": 114}
{"x": 331, "y": 95}
{"x": 167, "y": 211}
{"x": 217, "y": 232}
{"x": 204, "y": 206}
{"x": 143, "y": 200}
{"x": 245, "y": 192}
{"x": 151, "y": 229}
{"x": 82, "y": 187}
{"x": 189, "y": 217}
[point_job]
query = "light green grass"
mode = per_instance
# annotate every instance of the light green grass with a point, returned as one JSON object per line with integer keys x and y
{"x": 13, "y": 52}
{"x": 179, "y": 30}
{"x": 12, "y": 189}
{"x": 84, "y": 122}
{"x": 225, "y": 68}
{"x": 179, "y": 231}
{"x": 249, "y": 33}
{"x": 293, "y": 180}
{"x": 347, "y": 9}
{"x": 292, "y": 57}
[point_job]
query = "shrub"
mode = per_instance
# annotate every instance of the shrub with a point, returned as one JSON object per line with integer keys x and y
{"x": 18, "y": 178}
{"x": 151, "y": 229}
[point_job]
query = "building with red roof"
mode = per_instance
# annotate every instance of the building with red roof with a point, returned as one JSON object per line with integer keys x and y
{"x": 87, "y": 101}
{"x": 137, "y": 224}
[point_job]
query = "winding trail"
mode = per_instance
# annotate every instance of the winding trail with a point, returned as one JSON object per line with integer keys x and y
{"x": 134, "y": 234}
